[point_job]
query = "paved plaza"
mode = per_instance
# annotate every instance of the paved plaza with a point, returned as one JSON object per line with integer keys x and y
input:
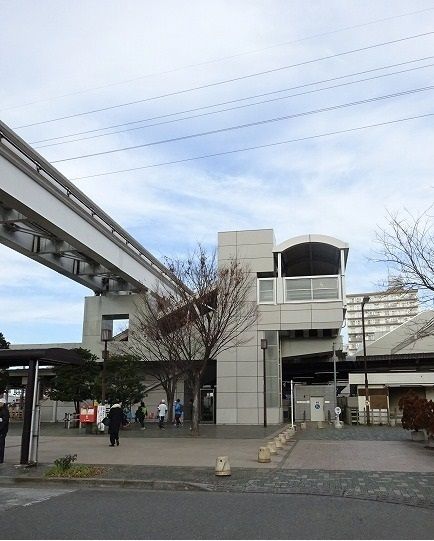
{"x": 375, "y": 463}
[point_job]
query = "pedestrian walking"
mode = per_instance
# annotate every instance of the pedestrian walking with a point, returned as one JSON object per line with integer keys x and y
{"x": 115, "y": 417}
{"x": 179, "y": 409}
{"x": 162, "y": 411}
{"x": 141, "y": 413}
{"x": 4, "y": 427}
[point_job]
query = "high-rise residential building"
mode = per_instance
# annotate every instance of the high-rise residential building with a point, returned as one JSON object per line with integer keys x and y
{"x": 384, "y": 312}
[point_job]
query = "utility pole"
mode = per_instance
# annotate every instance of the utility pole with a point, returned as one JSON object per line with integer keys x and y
{"x": 368, "y": 420}
{"x": 334, "y": 377}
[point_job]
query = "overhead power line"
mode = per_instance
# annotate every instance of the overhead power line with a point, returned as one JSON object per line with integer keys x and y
{"x": 227, "y": 81}
{"x": 221, "y": 59}
{"x": 247, "y": 125}
{"x": 208, "y": 113}
{"x": 257, "y": 147}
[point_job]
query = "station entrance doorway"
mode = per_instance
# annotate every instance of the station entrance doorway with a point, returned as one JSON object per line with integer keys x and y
{"x": 207, "y": 405}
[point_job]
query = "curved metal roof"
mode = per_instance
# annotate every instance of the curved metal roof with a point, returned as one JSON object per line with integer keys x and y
{"x": 303, "y": 239}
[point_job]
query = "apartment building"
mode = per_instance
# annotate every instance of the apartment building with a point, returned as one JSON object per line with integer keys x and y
{"x": 384, "y": 312}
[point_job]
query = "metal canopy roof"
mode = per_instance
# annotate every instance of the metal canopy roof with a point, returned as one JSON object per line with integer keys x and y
{"x": 48, "y": 356}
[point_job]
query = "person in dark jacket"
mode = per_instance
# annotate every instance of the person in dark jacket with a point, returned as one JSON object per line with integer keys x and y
{"x": 115, "y": 417}
{"x": 4, "y": 427}
{"x": 141, "y": 414}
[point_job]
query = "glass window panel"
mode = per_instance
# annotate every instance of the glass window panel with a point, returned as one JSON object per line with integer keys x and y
{"x": 272, "y": 392}
{"x": 298, "y": 283}
{"x": 325, "y": 288}
{"x": 327, "y": 283}
{"x": 271, "y": 337}
{"x": 271, "y": 353}
{"x": 298, "y": 290}
{"x": 266, "y": 290}
{"x": 325, "y": 294}
{"x": 299, "y": 295}
{"x": 272, "y": 369}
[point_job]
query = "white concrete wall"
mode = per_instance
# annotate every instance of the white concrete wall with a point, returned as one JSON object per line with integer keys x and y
{"x": 393, "y": 378}
{"x": 103, "y": 305}
{"x": 239, "y": 370}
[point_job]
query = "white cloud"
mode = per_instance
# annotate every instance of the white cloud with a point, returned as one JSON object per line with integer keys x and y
{"x": 340, "y": 185}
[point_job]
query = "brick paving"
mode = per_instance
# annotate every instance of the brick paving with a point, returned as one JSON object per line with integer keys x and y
{"x": 355, "y": 433}
{"x": 412, "y": 488}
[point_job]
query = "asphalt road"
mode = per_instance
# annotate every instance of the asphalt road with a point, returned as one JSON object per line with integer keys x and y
{"x": 50, "y": 513}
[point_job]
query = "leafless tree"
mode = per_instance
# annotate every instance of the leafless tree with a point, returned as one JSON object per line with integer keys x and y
{"x": 407, "y": 247}
{"x": 188, "y": 327}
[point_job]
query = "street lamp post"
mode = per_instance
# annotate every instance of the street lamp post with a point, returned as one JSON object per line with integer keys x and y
{"x": 264, "y": 346}
{"x": 364, "y": 301}
{"x": 335, "y": 400}
{"x": 106, "y": 336}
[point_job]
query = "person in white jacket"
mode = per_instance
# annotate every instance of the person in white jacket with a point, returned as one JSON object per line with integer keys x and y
{"x": 162, "y": 411}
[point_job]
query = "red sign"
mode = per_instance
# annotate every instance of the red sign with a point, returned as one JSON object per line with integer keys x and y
{"x": 87, "y": 415}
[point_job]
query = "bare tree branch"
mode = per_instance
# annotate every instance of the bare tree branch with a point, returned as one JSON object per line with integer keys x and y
{"x": 406, "y": 245}
{"x": 186, "y": 329}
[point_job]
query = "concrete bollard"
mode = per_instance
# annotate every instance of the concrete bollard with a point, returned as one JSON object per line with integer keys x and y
{"x": 282, "y": 438}
{"x": 264, "y": 454}
{"x": 288, "y": 436}
{"x": 303, "y": 426}
{"x": 278, "y": 443}
{"x": 222, "y": 466}
{"x": 272, "y": 446}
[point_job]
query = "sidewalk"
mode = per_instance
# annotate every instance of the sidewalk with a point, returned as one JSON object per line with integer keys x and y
{"x": 379, "y": 463}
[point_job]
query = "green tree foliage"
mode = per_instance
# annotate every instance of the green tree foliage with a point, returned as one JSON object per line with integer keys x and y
{"x": 76, "y": 383}
{"x": 4, "y": 380}
{"x": 124, "y": 380}
{"x": 4, "y": 344}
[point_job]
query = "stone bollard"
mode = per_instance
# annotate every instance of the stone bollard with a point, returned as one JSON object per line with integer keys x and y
{"x": 222, "y": 466}
{"x": 272, "y": 446}
{"x": 288, "y": 436}
{"x": 291, "y": 432}
{"x": 264, "y": 454}
{"x": 282, "y": 438}
{"x": 278, "y": 443}
{"x": 303, "y": 426}
{"x": 339, "y": 424}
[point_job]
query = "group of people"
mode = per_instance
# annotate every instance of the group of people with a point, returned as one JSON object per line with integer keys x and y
{"x": 162, "y": 412}
{"x": 162, "y": 409}
{"x": 115, "y": 417}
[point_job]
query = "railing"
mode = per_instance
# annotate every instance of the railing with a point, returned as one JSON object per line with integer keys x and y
{"x": 376, "y": 416}
{"x": 312, "y": 288}
{"x": 71, "y": 420}
{"x": 300, "y": 289}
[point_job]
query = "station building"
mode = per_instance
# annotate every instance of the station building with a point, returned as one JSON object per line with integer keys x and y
{"x": 299, "y": 287}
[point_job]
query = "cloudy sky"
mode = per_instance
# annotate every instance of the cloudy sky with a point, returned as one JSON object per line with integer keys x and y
{"x": 175, "y": 69}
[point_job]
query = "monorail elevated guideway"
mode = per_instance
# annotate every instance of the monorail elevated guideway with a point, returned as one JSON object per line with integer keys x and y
{"x": 45, "y": 217}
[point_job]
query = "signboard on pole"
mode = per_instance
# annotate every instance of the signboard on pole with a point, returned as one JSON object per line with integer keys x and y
{"x": 100, "y": 414}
